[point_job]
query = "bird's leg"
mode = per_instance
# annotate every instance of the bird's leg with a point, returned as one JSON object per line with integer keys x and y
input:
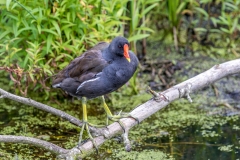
{"x": 86, "y": 124}
{"x": 117, "y": 117}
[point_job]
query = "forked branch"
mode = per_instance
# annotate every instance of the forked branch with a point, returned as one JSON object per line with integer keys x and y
{"x": 141, "y": 112}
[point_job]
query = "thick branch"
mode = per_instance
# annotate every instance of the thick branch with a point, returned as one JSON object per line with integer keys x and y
{"x": 152, "y": 106}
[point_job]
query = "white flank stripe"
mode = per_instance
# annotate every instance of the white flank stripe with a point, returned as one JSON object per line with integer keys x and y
{"x": 56, "y": 85}
{"x": 91, "y": 80}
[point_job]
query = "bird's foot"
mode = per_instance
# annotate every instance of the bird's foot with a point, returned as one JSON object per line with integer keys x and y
{"x": 158, "y": 96}
{"x": 116, "y": 118}
{"x": 95, "y": 125}
{"x": 85, "y": 126}
{"x": 127, "y": 115}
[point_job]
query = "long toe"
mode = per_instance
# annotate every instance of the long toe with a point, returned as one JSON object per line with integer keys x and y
{"x": 95, "y": 125}
{"x": 81, "y": 134}
{"x": 135, "y": 118}
{"x": 91, "y": 137}
{"x": 122, "y": 115}
{"x": 86, "y": 127}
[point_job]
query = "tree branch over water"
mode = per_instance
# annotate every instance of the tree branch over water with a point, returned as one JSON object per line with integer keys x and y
{"x": 141, "y": 112}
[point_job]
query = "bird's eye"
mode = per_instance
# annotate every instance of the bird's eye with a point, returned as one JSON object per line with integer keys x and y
{"x": 119, "y": 46}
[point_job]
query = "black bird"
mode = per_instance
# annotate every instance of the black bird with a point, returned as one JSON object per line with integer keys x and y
{"x": 98, "y": 71}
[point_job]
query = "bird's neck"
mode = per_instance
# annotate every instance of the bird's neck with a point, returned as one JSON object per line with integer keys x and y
{"x": 107, "y": 55}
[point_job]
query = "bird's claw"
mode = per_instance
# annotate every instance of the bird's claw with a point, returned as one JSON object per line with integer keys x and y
{"x": 158, "y": 96}
{"x": 185, "y": 91}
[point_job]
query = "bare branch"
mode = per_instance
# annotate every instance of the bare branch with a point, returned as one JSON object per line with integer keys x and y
{"x": 44, "y": 107}
{"x": 36, "y": 142}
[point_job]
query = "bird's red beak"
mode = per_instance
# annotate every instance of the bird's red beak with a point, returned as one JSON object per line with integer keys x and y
{"x": 126, "y": 55}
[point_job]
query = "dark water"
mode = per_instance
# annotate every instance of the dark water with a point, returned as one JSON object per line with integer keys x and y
{"x": 191, "y": 144}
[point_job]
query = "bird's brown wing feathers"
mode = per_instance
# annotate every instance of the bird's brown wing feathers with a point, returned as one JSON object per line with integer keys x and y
{"x": 84, "y": 67}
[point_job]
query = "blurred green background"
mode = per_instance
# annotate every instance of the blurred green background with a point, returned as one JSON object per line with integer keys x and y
{"x": 173, "y": 39}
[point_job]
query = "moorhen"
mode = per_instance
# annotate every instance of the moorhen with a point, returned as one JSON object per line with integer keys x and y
{"x": 98, "y": 71}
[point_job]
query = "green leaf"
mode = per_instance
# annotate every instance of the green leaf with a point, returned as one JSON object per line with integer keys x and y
{"x": 137, "y": 37}
{"x": 225, "y": 30}
{"x": 55, "y": 24}
{"x": 7, "y": 3}
{"x": 215, "y": 31}
{"x": 112, "y": 23}
{"x": 39, "y": 28}
{"x": 23, "y": 29}
{"x": 202, "y": 11}
{"x": 68, "y": 22}
{"x": 13, "y": 17}
{"x": 181, "y": 7}
{"x": 14, "y": 5}
{"x": 67, "y": 32}
{"x": 31, "y": 75}
{"x": 39, "y": 59}
{"x": 59, "y": 57}
{"x": 234, "y": 25}
{"x": 146, "y": 10}
{"x": 68, "y": 26}
{"x": 4, "y": 34}
{"x": 223, "y": 20}
{"x": 47, "y": 71}
{"x": 125, "y": 18}
{"x": 49, "y": 31}
{"x": 146, "y": 29}
{"x": 200, "y": 29}
{"x": 64, "y": 64}
{"x": 25, "y": 62}
{"x": 232, "y": 6}
{"x": 214, "y": 21}
{"x": 49, "y": 42}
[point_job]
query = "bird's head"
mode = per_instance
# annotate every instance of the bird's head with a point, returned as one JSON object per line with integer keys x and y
{"x": 120, "y": 46}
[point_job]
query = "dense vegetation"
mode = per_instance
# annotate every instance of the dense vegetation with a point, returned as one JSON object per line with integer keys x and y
{"x": 38, "y": 38}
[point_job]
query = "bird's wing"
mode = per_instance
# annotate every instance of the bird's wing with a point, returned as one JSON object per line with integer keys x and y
{"x": 84, "y": 67}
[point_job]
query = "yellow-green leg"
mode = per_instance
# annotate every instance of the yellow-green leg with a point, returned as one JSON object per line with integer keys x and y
{"x": 86, "y": 124}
